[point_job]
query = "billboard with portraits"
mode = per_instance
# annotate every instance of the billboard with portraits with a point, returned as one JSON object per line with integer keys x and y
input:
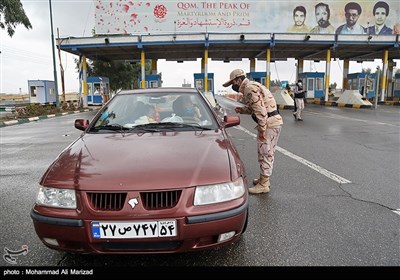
{"x": 266, "y": 16}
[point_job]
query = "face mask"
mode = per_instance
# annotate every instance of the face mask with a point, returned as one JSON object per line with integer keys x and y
{"x": 235, "y": 88}
{"x": 189, "y": 110}
{"x": 299, "y": 84}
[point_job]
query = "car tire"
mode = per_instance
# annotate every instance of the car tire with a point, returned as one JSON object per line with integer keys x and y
{"x": 246, "y": 222}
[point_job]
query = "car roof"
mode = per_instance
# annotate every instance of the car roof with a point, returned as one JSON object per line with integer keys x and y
{"x": 160, "y": 90}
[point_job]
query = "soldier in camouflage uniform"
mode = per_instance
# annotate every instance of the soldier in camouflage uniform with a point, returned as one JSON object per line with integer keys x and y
{"x": 261, "y": 105}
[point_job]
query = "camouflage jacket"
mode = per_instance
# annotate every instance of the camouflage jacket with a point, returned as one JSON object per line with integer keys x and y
{"x": 259, "y": 102}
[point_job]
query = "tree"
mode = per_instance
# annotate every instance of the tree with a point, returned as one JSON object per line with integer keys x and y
{"x": 366, "y": 70}
{"x": 122, "y": 74}
{"x": 11, "y": 14}
{"x": 333, "y": 86}
{"x": 276, "y": 83}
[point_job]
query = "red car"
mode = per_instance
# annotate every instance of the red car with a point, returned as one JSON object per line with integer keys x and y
{"x": 153, "y": 172}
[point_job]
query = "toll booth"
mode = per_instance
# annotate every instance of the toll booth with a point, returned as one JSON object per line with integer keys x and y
{"x": 199, "y": 81}
{"x": 396, "y": 87}
{"x": 98, "y": 90}
{"x": 257, "y": 76}
{"x": 151, "y": 80}
{"x": 41, "y": 91}
{"x": 313, "y": 83}
{"x": 363, "y": 82}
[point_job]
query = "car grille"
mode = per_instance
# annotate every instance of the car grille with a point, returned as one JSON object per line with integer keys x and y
{"x": 150, "y": 200}
{"x": 140, "y": 246}
{"x": 107, "y": 201}
{"x": 160, "y": 200}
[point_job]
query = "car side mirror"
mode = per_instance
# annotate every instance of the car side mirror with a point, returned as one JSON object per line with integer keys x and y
{"x": 231, "y": 120}
{"x": 81, "y": 124}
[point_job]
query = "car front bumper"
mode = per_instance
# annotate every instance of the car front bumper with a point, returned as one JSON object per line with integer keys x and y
{"x": 194, "y": 233}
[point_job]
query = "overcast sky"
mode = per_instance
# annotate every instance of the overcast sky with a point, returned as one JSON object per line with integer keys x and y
{"x": 28, "y": 54}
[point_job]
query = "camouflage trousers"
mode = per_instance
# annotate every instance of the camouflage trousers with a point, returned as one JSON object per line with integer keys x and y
{"x": 266, "y": 150}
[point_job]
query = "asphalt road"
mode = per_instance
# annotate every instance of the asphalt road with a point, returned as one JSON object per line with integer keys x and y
{"x": 334, "y": 200}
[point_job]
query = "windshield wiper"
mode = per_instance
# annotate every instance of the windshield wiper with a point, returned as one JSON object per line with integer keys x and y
{"x": 112, "y": 127}
{"x": 193, "y": 125}
{"x": 143, "y": 128}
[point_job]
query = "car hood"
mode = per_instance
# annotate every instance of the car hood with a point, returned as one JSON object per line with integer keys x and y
{"x": 146, "y": 161}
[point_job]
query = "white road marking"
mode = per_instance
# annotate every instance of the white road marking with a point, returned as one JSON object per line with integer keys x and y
{"x": 311, "y": 165}
{"x": 397, "y": 211}
{"x": 334, "y": 116}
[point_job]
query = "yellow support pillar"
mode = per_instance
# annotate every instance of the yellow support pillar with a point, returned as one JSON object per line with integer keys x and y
{"x": 143, "y": 69}
{"x": 84, "y": 82}
{"x": 205, "y": 70}
{"x": 327, "y": 74}
{"x": 384, "y": 74}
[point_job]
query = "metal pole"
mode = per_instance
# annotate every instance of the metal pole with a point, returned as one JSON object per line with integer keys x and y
{"x": 54, "y": 57}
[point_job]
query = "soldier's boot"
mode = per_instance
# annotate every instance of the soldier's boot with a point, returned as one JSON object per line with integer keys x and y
{"x": 262, "y": 186}
{"x": 256, "y": 180}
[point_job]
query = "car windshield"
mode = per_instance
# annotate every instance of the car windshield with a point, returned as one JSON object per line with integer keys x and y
{"x": 155, "y": 111}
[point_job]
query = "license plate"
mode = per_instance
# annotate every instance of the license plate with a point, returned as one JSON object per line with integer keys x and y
{"x": 143, "y": 229}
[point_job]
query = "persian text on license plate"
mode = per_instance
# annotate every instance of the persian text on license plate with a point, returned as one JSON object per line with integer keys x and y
{"x": 144, "y": 229}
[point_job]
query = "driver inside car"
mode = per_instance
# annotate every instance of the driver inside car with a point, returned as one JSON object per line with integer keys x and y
{"x": 184, "y": 107}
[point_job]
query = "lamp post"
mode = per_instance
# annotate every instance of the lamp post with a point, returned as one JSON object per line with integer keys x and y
{"x": 54, "y": 57}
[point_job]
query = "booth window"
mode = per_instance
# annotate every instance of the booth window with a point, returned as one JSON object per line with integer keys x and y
{"x": 362, "y": 82}
{"x": 199, "y": 83}
{"x": 209, "y": 83}
{"x": 52, "y": 91}
{"x": 96, "y": 89}
{"x": 153, "y": 84}
{"x": 310, "y": 84}
{"x": 33, "y": 91}
{"x": 354, "y": 85}
{"x": 320, "y": 84}
{"x": 371, "y": 84}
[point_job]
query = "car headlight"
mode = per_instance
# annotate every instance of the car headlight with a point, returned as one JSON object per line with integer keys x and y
{"x": 219, "y": 192}
{"x": 55, "y": 197}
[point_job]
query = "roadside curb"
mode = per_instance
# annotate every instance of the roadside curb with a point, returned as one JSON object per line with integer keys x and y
{"x": 286, "y": 107}
{"x": 335, "y": 104}
{"x": 349, "y": 105}
{"x": 31, "y": 119}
